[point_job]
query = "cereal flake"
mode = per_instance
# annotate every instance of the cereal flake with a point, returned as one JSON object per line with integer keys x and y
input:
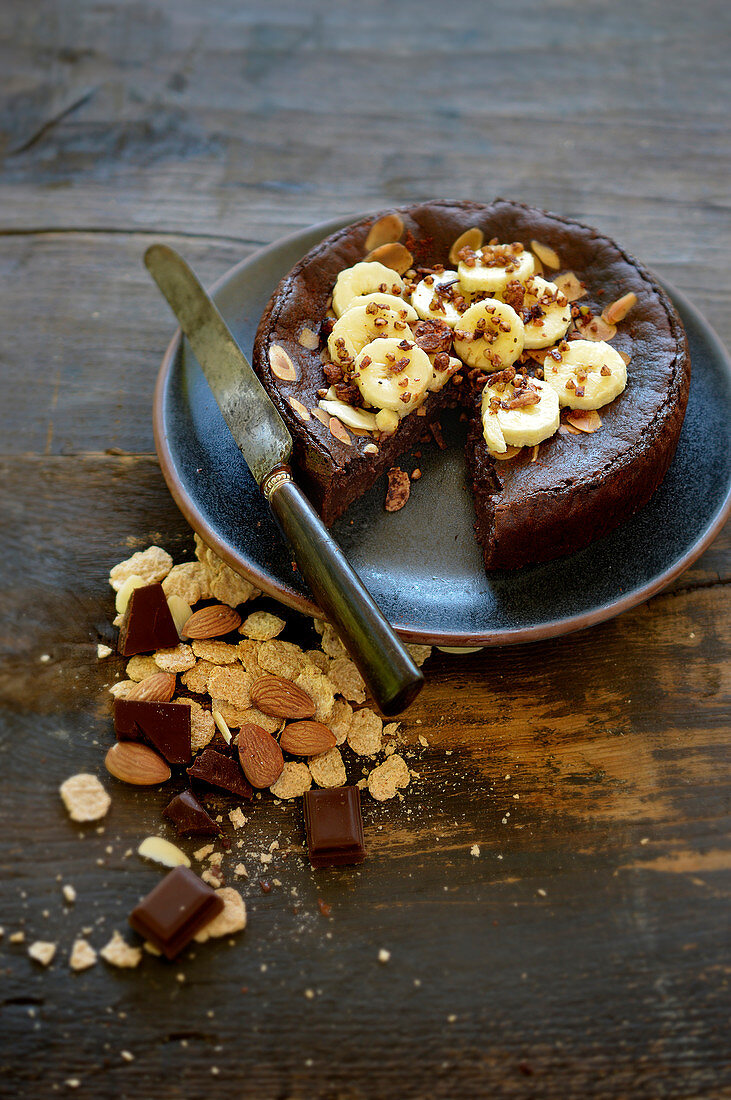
{"x": 189, "y": 581}
{"x": 140, "y": 667}
{"x": 231, "y": 684}
{"x": 262, "y": 626}
{"x": 281, "y": 658}
{"x": 232, "y": 917}
{"x": 152, "y": 565}
{"x": 177, "y": 659}
{"x": 196, "y": 678}
{"x": 82, "y": 955}
{"x": 327, "y": 769}
{"x": 384, "y": 781}
{"x": 320, "y": 690}
{"x": 42, "y": 951}
{"x": 364, "y": 735}
{"x": 120, "y": 953}
{"x": 347, "y": 680}
{"x": 294, "y": 780}
{"x": 216, "y": 651}
{"x": 84, "y": 797}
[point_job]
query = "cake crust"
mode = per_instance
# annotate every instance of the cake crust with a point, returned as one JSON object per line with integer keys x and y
{"x": 578, "y": 487}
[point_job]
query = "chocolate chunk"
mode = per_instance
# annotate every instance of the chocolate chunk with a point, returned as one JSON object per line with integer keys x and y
{"x": 164, "y": 725}
{"x": 220, "y": 771}
{"x": 189, "y": 817}
{"x": 334, "y": 827}
{"x": 175, "y": 910}
{"x": 147, "y": 622}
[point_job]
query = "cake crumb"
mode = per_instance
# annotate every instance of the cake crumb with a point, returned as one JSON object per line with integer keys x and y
{"x": 84, "y": 797}
{"x": 69, "y": 894}
{"x": 475, "y": 850}
{"x": 384, "y": 955}
{"x": 121, "y": 954}
{"x": 82, "y": 955}
{"x": 42, "y": 951}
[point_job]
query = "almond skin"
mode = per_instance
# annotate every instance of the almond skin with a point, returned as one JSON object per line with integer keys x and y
{"x": 132, "y": 762}
{"x": 260, "y": 756}
{"x": 211, "y": 622}
{"x": 306, "y": 738}
{"x": 158, "y": 688}
{"x": 281, "y": 699}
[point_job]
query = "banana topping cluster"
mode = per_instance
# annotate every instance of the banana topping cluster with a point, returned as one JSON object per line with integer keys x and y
{"x": 394, "y": 336}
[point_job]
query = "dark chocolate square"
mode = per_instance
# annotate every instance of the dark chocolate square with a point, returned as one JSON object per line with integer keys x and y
{"x": 334, "y": 826}
{"x": 219, "y": 770}
{"x": 165, "y": 725}
{"x": 175, "y": 910}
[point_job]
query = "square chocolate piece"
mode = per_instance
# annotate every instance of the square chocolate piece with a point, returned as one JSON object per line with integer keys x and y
{"x": 165, "y": 725}
{"x": 175, "y": 910}
{"x": 334, "y": 826}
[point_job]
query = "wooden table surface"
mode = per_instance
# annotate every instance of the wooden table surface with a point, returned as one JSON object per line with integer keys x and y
{"x": 584, "y": 953}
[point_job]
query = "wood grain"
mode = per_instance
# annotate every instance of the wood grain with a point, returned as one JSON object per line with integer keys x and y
{"x": 584, "y": 953}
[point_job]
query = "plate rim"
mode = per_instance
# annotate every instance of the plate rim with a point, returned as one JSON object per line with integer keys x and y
{"x": 288, "y": 596}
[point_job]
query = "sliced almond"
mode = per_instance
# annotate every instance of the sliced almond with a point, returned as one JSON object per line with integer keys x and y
{"x": 568, "y": 429}
{"x": 180, "y": 611}
{"x": 586, "y": 420}
{"x": 506, "y": 455}
{"x": 471, "y": 238}
{"x": 279, "y": 698}
{"x": 260, "y": 756}
{"x": 158, "y": 688}
{"x": 384, "y": 231}
{"x": 547, "y": 255}
{"x": 624, "y": 357}
{"x": 162, "y": 851}
{"x": 618, "y": 310}
{"x": 135, "y": 763}
{"x": 222, "y": 725}
{"x": 393, "y": 255}
{"x": 594, "y": 328}
{"x": 322, "y": 416}
{"x": 570, "y": 286}
{"x": 282, "y": 366}
{"x": 123, "y": 594}
{"x": 534, "y": 453}
{"x": 338, "y": 429}
{"x": 212, "y": 622}
{"x": 370, "y": 449}
{"x": 308, "y": 339}
{"x": 306, "y": 738}
{"x": 299, "y": 408}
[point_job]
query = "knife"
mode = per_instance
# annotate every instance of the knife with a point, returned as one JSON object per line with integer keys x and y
{"x": 262, "y": 437}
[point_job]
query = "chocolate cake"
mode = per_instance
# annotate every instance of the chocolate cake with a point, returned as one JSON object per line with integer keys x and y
{"x": 579, "y": 465}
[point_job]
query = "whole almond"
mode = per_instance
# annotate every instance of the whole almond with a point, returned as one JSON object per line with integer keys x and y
{"x": 211, "y": 622}
{"x": 306, "y": 738}
{"x": 135, "y": 763}
{"x": 158, "y": 688}
{"x": 260, "y": 756}
{"x": 281, "y": 699}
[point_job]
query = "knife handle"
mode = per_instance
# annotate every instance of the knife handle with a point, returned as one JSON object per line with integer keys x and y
{"x": 391, "y": 676}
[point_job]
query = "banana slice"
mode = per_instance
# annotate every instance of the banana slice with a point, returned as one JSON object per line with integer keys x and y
{"x": 546, "y": 311}
{"x": 358, "y": 419}
{"x": 493, "y": 267}
{"x": 489, "y": 335}
{"x": 392, "y": 374}
{"x": 440, "y": 298}
{"x": 585, "y": 374}
{"x": 359, "y": 325}
{"x": 366, "y": 277}
{"x": 518, "y": 413}
{"x": 398, "y": 305}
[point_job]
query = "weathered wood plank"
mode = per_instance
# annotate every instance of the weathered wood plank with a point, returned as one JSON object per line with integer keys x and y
{"x": 611, "y": 739}
{"x": 221, "y": 127}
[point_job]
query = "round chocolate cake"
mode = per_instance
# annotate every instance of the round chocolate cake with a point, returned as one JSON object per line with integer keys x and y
{"x": 568, "y": 357}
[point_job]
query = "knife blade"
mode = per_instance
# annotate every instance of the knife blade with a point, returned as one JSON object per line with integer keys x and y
{"x": 266, "y": 444}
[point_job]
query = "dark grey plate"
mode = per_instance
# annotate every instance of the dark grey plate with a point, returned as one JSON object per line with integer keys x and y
{"x": 422, "y": 564}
